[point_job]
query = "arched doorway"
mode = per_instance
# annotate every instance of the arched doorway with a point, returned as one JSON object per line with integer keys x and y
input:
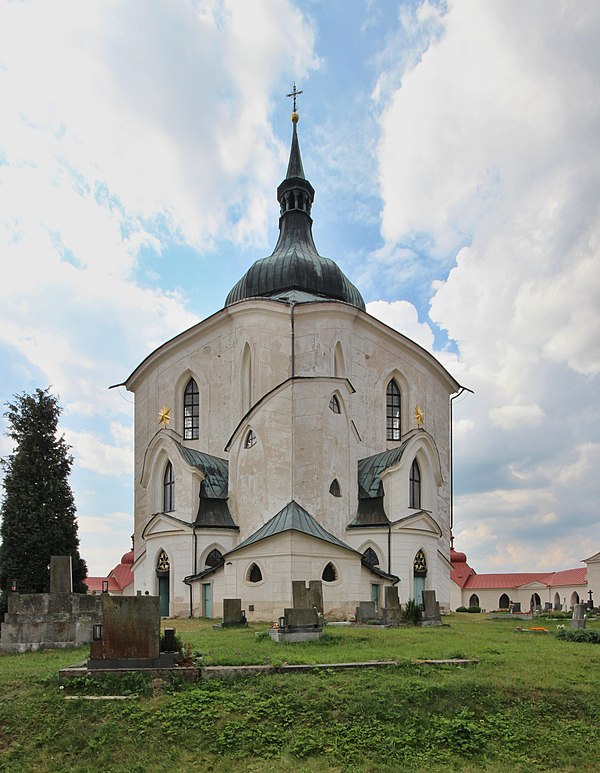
{"x": 556, "y": 601}
{"x": 535, "y": 602}
{"x": 504, "y": 601}
{"x": 474, "y": 600}
{"x": 419, "y": 575}
{"x": 574, "y": 598}
{"x": 163, "y": 570}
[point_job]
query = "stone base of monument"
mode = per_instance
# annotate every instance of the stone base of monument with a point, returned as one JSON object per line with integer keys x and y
{"x": 298, "y": 625}
{"x": 41, "y": 621}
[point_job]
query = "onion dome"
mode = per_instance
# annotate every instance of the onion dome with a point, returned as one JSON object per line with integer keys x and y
{"x": 295, "y": 272}
{"x": 456, "y": 557}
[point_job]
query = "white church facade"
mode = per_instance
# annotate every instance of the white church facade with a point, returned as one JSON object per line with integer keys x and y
{"x": 291, "y": 436}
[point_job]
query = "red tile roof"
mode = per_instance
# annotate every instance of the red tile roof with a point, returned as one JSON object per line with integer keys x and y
{"x": 95, "y": 584}
{"x": 118, "y": 578}
{"x": 516, "y": 579}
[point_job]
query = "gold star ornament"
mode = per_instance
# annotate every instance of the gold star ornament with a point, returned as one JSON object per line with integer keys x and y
{"x": 164, "y": 416}
{"x": 419, "y": 416}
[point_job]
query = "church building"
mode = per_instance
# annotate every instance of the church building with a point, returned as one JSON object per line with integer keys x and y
{"x": 291, "y": 436}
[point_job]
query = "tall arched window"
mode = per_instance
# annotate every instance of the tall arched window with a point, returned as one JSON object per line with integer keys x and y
{"x": 473, "y": 600}
{"x": 246, "y": 378}
{"x": 415, "y": 485}
{"x": 504, "y": 602}
{"x": 168, "y": 489}
{"x": 339, "y": 368}
{"x": 392, "y": 413}
{"x": 191, "y": 411}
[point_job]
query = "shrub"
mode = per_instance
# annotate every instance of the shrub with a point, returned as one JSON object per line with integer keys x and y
{"x": 579, "y": 635}
{"x": 411, "y": 613}
{"x": 461, "y": 609}
{"x": 474, "y": 609}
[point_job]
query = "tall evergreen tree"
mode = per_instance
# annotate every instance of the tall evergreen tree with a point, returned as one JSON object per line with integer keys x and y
{"x": 38, "y": 509}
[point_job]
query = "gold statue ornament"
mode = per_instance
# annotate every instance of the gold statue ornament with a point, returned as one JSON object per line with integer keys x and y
{"x": 164, "y": 416}
{"x": 419, "y": 416}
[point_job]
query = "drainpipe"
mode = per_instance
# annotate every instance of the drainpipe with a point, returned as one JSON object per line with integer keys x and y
{"x": 189, "y": 584}
{"x": 389, "y": 547}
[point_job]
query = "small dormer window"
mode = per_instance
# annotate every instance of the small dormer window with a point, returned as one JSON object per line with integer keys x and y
{"x": 334, "y": 404}
{"x": 250, "y": 439}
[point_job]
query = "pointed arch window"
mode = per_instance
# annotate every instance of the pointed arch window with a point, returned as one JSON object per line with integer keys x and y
{"x": 339, "y": 368}
{"x": 329, "y": 573}
{"x": 191, "y": 411}
{"x": 415, "y": 485}
{"x": 168, "y": 489}
{"x": 162, "y": 562}
{"x": 254, "y": 573}
{"x": 335, "y": 488}
{"x": 250, "y": 439}
{"x": 393, "y": 405}
{"x": 334, "y": 404}
{"x": 246, "y": 378}
{"x": 214, "y": 558}
{"x": 371, "y": 557}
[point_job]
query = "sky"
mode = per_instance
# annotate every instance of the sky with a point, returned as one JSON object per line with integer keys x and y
{"x": 454, "y": 149}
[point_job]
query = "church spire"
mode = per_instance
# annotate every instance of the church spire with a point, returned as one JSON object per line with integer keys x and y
{"x": 295, "y": 270}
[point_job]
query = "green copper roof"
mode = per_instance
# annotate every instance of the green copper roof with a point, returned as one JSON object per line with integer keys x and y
{"x": 371, "y": 468}
{"x": 215, "y": 484}
{"x": 295, "y": 264}
{"x": 293, "y": 517}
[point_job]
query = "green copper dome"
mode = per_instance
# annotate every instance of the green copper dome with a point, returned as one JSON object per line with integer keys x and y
{"x": 295, "y": 271}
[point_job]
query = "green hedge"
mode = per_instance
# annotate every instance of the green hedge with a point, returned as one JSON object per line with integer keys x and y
{"x": 579, "y": 634}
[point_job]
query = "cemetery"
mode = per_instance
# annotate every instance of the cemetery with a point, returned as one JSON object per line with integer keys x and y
{"x": 530, "y": 703}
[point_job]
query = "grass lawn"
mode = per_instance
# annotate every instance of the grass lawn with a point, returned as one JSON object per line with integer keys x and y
{"x": 532, "y": 703}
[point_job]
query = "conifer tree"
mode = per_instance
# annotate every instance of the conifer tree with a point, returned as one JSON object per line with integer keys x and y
{"x": 38, "y": 509}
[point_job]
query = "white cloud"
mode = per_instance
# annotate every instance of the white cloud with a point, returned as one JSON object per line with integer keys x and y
{"x": 89, "y": 453}
{"x": 516, "y": 416}
{"x": 489, "y": 152}
{"x": 402, "y": 316}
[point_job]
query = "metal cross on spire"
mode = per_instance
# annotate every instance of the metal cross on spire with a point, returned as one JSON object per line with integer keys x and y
{"x": 294, "y": 94}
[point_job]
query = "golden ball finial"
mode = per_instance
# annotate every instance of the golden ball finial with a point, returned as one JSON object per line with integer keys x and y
{"x": 295, "y": 117}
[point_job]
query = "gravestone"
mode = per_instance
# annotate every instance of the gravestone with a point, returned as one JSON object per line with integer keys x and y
{"x": 304, "y": 621}
{"x": 61, "y": 575}
{"x": 55, "y": 620}
{"x": 315, "y": 595}
{"x": 391, "y": 610}
{"x": 431, "y": 609}
{"x": 366, "y": 612}
{"x": 129, "y": 636}
{"x": 232, "y": 613}
{"x": 300, "y": 595}
{"x": 578, "y": 620}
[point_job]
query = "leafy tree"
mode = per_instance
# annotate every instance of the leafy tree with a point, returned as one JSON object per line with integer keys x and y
{"x": 38, "y": 509}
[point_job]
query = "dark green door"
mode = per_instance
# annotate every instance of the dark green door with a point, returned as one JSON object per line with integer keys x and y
{"x": 163, "y": 593}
